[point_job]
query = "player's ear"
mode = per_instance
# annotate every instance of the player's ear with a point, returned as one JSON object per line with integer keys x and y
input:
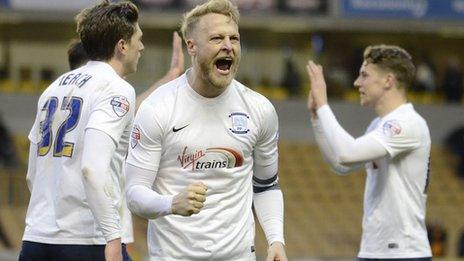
{"x": 121, "y": 46}
{"x": 390, "y": 80}
{"x": 191, "y": 47}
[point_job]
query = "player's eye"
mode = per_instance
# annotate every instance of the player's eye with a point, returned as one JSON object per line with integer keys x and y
{"x": 216, "y": 39}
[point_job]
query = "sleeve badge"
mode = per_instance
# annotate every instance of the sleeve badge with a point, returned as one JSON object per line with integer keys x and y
{"x": 120, "y": 105}
{"x": 391, "y": 128}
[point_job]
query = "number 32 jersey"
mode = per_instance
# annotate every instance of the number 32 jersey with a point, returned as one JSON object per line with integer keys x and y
{"x": 91, "y": 97}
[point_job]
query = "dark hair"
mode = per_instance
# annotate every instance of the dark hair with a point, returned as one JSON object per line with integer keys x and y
{"x": 76, "y": 54}
{"x": 394, "y": 59}
{"x": 100, "y": 27}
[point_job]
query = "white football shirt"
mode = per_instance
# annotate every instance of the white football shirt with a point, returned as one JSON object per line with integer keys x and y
{"x": 396, "y": 187}
{"x": 186, "y": 137}
{"x": 92, "y": 96}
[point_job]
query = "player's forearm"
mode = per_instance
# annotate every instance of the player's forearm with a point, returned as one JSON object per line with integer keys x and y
{"x": 141, "y": 199}
{"x": 269, "y": 208}
{"x": 349, "y": 152}
{"x": 98, "y": 185}
{"x": 147, "y": 203}
{"x": 98, "y": 194}
{"x": 329, "y": 156}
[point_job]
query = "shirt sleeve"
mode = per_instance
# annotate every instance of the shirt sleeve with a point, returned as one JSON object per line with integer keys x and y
{"x": 327, "y": 152}
{"x": 96, "y": 159}
{"x": 146, "y": 139}
{"x": 347, "y": 150}
{"x": 113, "y": 110}
{"x": 265, "y": 152}
{"x": 267, "y": 197}
{"x": 34, "y": 132}
{"x": 397, "y": 136}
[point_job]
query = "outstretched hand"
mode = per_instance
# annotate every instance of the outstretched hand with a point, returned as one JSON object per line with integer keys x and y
{"x": 318, "y": 92}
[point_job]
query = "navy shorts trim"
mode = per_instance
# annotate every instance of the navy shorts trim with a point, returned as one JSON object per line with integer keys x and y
{"x": 33, "y": 251}
{"x": 396, "y": 259}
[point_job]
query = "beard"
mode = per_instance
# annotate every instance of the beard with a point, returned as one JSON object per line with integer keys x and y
{"x": 209, "y": 75}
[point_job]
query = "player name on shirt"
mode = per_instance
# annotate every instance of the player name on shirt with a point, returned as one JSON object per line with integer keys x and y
{"x": 78, "y": 79}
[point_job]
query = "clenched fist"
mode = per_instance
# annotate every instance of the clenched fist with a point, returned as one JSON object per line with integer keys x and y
{"x": 190, "y": 201}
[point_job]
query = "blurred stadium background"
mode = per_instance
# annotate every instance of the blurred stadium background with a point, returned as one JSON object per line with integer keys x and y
{"x": 323, "y": 211}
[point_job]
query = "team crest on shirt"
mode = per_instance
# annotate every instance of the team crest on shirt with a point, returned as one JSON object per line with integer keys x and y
{"x": 135, "y": 136}
{"x": 239, "y": 122}
{"x": 120, "y": 105}
{"x": 391, "y": 128}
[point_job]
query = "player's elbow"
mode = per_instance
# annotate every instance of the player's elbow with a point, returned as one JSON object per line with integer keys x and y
{"x": 88, "y": 174}
{"x": 341, "y": 170}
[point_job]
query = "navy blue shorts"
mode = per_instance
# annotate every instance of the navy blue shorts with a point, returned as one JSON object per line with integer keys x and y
{"x": 33, "y": 251}
{"x": 396, "y": 259}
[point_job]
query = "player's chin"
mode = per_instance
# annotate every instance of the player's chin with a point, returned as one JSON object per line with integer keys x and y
{"x": 221, "y": 81}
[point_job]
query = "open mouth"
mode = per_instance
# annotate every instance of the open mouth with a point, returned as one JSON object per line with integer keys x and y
{"x": 223, "y": 65}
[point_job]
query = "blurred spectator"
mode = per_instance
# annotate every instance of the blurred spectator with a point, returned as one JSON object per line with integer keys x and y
{"x": 455, "y": 143}
{"x": 8, "y": 156}
{"x": 425, "y": 76}
{"x": 338, "y": 78}
{"x": 291, "y": 80}
{"x": 157, "y": 4}
{"x": 3, "y": 238}
{"x": 437, "y": 237}
{"x": 461, "y": 245}
{"x": 453, "y": 81}
{"x": 303, "y": 6}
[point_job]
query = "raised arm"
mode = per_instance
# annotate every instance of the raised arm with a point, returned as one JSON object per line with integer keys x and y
{"x": 343, "y": 152}
{"x": 176, "y": 69}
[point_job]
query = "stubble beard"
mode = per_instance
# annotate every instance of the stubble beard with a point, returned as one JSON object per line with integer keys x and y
{"x": 219, "y": 82}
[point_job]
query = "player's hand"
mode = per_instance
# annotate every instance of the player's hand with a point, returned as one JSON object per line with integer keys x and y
{"x": 318, "y": 85}
{"x": 113, "y": 250}
{"x": 190, "y": 201}
{"x": 312, "y": 106}
{"x": 276, "y": 252}
{"x": 177, "y": 58}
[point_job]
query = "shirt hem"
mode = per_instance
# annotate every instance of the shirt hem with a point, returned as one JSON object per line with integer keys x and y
{"x": 390, "y": 255}
{"x": 66, "y": 241}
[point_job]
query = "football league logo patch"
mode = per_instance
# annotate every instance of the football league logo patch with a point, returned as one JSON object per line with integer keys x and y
{"x": 120, "y": 105}
{"x": 391, "y": 128}
{"x": 135, "y": 136}
{"x": 239, "y": 123}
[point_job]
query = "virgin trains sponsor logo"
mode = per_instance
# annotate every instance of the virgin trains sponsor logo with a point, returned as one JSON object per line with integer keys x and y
{"x": 210, "y": 158}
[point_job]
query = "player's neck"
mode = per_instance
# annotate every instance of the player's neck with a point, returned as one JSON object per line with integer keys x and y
{"x": 117, "y": 67}
{"x": 389, "y": 102}
{"x": 201, "y": 86}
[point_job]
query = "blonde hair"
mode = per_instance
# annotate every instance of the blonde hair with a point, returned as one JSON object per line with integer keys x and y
{"x": 224, "y": 7}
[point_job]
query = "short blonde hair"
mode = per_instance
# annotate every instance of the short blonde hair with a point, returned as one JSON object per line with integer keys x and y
{"x": 224, "y": 7}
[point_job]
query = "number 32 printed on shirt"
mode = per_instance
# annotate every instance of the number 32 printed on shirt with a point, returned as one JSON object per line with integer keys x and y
{"x": 60, "y": 147}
